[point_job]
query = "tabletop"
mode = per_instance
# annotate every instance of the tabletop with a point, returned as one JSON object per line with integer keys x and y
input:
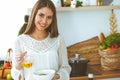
{"x": 98, "y": 72}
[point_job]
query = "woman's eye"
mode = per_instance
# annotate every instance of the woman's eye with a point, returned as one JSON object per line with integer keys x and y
{"x": 41, "y": 15}
{"x": 49, "y": 17}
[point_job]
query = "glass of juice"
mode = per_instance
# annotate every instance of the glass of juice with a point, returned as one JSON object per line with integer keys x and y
{"x": 27, "y": 64}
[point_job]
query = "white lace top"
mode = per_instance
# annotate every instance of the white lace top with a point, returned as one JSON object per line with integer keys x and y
{"x": 49, "y": 53}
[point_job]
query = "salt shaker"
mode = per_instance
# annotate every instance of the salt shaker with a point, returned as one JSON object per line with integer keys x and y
{"x": 90, "y": 76}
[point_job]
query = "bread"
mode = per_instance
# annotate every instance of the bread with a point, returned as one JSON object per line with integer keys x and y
{"x": 102, "y": 37}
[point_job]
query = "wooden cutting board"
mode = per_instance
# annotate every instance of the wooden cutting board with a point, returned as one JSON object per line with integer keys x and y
{"x": 87, "y": 49}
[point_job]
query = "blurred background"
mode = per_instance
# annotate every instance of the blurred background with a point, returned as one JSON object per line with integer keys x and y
{"x": 74, "y": 26}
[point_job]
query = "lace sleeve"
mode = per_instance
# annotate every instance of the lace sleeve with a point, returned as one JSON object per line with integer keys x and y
{"x": 14, "y": 72}
{"x": 65, "y": 68}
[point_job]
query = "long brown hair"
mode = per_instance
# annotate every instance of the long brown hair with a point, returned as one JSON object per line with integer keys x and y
{"x": 53, "y": 28}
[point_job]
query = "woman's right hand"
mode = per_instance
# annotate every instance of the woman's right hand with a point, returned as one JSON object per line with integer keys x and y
{"x": 56, "y": 77}
{"x": 19, "y": 59}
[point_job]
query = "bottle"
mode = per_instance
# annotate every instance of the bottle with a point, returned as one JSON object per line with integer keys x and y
{"x": 90, "y": 76}
{"x": 62, "y": 3}
{"x": 99, "y": 2}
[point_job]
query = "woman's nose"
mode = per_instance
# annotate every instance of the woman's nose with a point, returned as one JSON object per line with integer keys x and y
{"x": 44, "y": 20}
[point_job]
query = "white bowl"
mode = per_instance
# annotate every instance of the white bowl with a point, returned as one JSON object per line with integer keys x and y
{"x": 44, "y": 74}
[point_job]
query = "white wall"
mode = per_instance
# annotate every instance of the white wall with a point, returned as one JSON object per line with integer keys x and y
{"x": 75, "y": 26}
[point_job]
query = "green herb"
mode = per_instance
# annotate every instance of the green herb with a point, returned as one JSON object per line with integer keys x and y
{"x": 78, "y": 3}
{"x": 110, "y": 40}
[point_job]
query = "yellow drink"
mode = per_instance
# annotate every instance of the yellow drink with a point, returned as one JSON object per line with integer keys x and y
{"x": 27, "y": 64}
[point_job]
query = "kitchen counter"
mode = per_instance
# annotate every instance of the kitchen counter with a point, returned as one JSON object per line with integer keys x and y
{"x": 99, "y": 74}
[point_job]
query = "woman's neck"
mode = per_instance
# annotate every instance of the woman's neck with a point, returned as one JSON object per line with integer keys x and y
{"x": 39, "y": 35}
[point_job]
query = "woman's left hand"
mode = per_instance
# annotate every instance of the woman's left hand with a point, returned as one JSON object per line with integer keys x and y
{"x": 56, "y": 77}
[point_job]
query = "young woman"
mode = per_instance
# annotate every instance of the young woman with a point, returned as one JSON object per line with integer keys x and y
{"x": 42, "y": 41}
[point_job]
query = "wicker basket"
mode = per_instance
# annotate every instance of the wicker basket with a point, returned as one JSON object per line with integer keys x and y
{"x": 87, "y": 49}
{"x": 110, "y": 60}
{"x": 5, "y": 70}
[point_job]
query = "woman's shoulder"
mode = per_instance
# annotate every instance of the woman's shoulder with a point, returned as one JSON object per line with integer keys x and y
{"x": 60, "y": 37}
{"x": 22, "y": 36}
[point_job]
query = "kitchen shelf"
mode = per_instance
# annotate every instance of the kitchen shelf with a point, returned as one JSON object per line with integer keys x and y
{"x": 59, "y": 9}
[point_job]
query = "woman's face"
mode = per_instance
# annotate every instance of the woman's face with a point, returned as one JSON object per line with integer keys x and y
{"x": 43, "y": 18}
